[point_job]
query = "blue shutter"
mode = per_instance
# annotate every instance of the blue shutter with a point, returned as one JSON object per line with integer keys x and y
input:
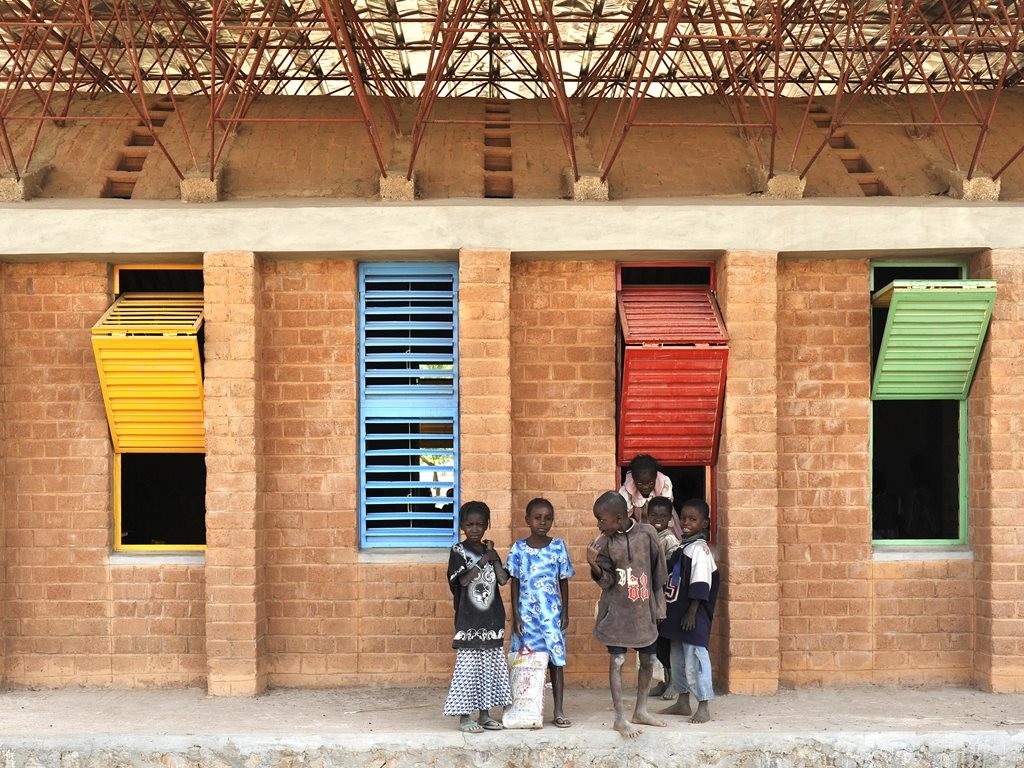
{"x": 408, "y": 404}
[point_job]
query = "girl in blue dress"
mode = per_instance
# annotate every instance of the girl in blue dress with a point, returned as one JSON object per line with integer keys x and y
{"x": 540, "y": 570}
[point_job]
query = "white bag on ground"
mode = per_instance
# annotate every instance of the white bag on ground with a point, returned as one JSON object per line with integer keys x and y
{"x": 527, "y": 671}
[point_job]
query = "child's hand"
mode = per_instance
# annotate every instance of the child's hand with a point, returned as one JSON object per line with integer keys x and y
{"x": 593, "y": 550}
{"x": 564, "y": 622}
{"x": 690, "y": 618}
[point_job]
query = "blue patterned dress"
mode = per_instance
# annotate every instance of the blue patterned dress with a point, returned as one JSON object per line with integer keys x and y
{"x": 540, "y": 603}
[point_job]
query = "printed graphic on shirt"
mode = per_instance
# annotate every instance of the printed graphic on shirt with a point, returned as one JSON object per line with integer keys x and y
{"x": 636, "y": 587}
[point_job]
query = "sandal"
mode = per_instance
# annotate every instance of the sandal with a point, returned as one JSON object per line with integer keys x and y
{"x": 470, "y": 726}
{"x": 562, "y": 721}
{"x": 490, "y": 724}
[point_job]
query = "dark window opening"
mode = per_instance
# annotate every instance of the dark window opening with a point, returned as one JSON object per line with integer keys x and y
{"x": 668, "y": 274}
{"x": 916, "y": 482}
{"x": 159, "y": 280}
{"x": 163, "y": 499}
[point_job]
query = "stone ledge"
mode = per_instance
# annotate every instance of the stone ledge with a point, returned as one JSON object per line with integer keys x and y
{"x": 14, "y": 190}
{"x": 198, "y": 187}
{"x": 978, "y": 187}
{"x": 587, "y": 187}
{"x": 781, "y": 186}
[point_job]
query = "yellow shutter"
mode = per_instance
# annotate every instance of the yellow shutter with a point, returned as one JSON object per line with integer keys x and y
{"x": 147, "y": 357}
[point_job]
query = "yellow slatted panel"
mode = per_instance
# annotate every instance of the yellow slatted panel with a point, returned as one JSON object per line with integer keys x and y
{"x": 147, "y": 357}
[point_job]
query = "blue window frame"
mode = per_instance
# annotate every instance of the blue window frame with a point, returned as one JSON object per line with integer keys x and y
{"x": 408, "y": 405}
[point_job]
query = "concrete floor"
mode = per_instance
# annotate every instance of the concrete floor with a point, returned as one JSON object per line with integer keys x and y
{"x": 397, "y": 727}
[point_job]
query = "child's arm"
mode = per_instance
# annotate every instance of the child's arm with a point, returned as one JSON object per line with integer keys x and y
{"x": 491, "y": 555}
{"x": 563, "y": 591}
{"x": 601, "y": 567}
{"x": 690, "y": 618}
{"x": 517, "y": 623}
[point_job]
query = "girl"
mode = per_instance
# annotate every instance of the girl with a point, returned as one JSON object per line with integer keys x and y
{"x": 480, "y": 679}
{"x": 540, "y": 570}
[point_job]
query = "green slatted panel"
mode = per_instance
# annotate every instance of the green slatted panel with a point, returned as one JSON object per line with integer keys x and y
{"x": 933, "y": 337}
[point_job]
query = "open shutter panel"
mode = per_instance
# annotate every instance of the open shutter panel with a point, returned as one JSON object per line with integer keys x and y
{"x": 147, "y": 356}
{"x": 673, "y": 374}
{"x": 932, "y": 339}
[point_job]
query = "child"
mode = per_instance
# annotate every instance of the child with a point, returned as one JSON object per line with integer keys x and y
{"x": 540, "y": 570}
{"x": 659, "y": 514}
{"x": 644, "y": 482}
{"x": 691, "y": 594}
{"x": 627, "y": 563}
{"x": 480, "y": 679}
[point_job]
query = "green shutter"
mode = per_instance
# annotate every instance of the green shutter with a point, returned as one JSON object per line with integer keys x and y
{"x": 933, "y": 337}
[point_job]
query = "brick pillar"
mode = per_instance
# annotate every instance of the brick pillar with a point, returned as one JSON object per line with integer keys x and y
{"x": 485, "y": 386}
{"x": 236, "y": 623}
{"x": 748, "y": 476}
{"x": 996, "y": 477}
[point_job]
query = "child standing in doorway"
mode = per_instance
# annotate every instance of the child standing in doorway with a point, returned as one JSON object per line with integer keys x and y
{"x": 627, "y": 563}
{"x": 659, "y": 513}
{"x": 645, "y": 481}
{"x": 540, "y": 570}
{"x": 691, "y": 596}
{"x": 480, "y": 679}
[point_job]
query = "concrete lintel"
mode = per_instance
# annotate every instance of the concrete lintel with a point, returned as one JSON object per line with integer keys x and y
{"x": 198, "y": 187}
{"x": 978, "y": 187}
{"x": 786, "y": 185}
{"x": 14, "y": 190}
{"x": 588, "y": 186}
{"x": 395, "y": 187}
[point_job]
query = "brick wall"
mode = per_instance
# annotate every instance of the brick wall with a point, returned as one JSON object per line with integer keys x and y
{"x": 563, "y": 419}
{"x": 996, "y": 451}
{"x": 824, "y": 431}
{"x": 748, "y": 497}
{"x": 70, "y": 617}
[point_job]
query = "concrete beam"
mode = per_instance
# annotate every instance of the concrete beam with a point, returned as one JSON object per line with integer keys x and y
{"x": 74, "y": 228}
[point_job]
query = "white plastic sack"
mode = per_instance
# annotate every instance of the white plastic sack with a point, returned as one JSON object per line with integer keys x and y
{"x": 527, "y": 672}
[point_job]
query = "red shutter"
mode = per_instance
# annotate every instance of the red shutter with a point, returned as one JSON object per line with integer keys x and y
{"x": 673, "y": 375}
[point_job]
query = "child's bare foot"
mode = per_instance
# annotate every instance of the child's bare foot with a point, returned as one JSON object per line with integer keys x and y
{"x": 681, "y": 707}
{"x": 626, "y": 730}
{"x": 703, "y": 714}
{"x": 643, "y": 717}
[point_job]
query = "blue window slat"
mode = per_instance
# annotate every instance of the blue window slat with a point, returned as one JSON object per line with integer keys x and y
{"x": 408, "y": 319}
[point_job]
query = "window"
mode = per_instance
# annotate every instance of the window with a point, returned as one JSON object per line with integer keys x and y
{"x": 408, "y": 399}
{"x": 148, "y": 350}
{"x": 928, "y": 325}
{"x": 673, "y": 352}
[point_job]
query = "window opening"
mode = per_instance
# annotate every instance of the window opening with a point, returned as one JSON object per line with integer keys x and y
{"x": 149, "y": 356}
{"x": 408, "y": 405}
{"x": 671, "y": 360}
{"x": 919, "y": 440}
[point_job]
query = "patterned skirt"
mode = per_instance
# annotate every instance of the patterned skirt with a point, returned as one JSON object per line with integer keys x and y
{"x": 480, "y": 681}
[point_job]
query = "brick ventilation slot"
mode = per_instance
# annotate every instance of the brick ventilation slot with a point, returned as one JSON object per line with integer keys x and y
{"x": 498, "y": 148}
{"x": 121, "y": 181}
{"x": 842, "y": 145}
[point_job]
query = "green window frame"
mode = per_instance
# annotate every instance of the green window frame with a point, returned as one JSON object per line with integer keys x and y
{"x": 924, "y": 356}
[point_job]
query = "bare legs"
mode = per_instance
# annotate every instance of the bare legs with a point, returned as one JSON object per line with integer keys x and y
{"x": 558, "y": 693}
{"x": 643, "y": 687}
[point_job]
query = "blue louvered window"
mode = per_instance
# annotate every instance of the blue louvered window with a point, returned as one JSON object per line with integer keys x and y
{"x": 409, "y": 401}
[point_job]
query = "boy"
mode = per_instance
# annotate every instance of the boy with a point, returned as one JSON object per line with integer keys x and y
{"x": 660, "y": 513}
{"x": 627, "y": 563}
{"x": 691, "y": 596}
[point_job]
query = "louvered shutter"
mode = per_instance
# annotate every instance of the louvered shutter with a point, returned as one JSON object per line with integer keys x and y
{"x": 673, "y": 374}
{"x": 932, "y": 338}
{"x": 148, "y": 360}
{"x": 408, "y": 324}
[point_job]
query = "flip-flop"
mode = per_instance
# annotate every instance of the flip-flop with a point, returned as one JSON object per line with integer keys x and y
{"x": 491, "y": 724}
{"x": 471, "y": 726}
{"x": 562, "y": 722}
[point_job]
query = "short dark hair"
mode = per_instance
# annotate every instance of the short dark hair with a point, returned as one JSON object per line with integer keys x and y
{"x": 611, "y": 501}
{"x": 660, "y": 502}
{"x": 539, "y": 502}
{"x": 643, "y": 462}
{"x": 474, "y": 507}
{"x": 699, "y": 505}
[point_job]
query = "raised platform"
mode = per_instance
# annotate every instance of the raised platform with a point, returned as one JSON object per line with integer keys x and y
{"x": 399, "y": 727}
